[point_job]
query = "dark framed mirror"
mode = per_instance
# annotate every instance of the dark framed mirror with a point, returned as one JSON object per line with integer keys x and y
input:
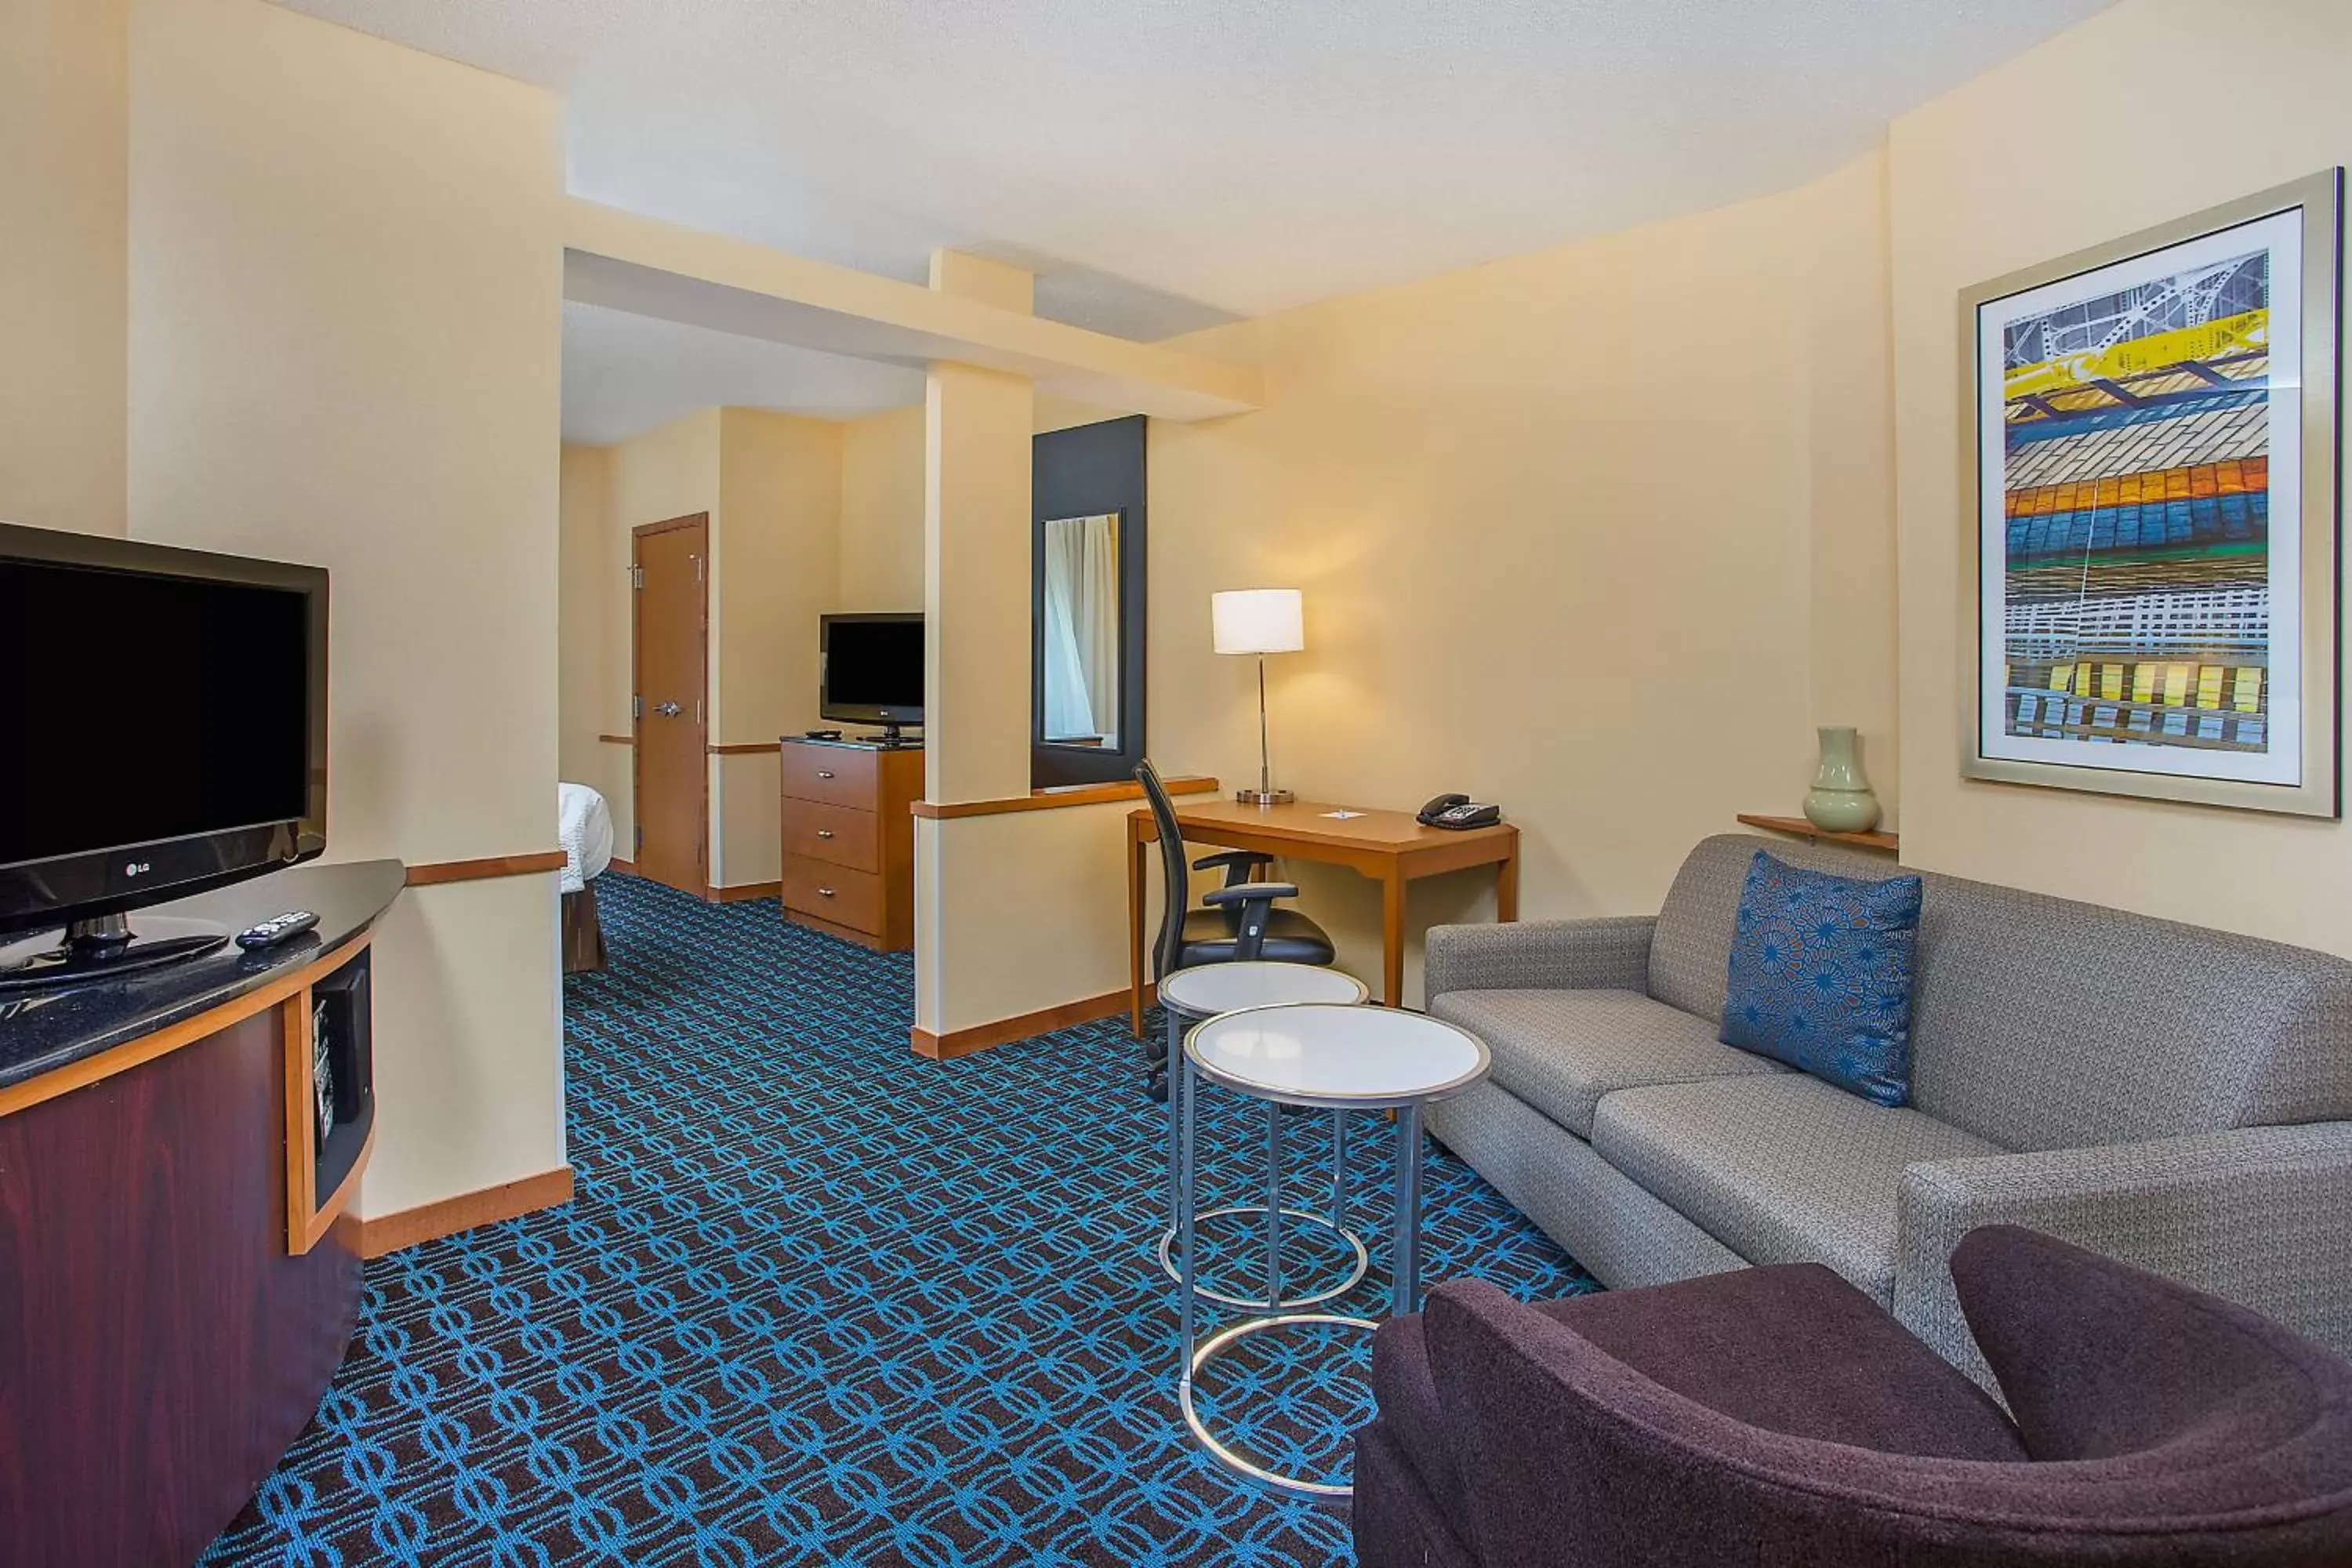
{"x": 1087, "y": 557}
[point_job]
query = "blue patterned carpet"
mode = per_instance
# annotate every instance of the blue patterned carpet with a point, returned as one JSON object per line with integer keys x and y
{"x": 818, "y": 1301}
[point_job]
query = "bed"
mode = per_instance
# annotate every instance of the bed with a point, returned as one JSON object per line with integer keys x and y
{"x": 584, "y": 825}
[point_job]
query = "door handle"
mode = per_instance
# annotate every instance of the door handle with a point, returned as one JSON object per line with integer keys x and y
{"x": 668, "y": 710}
{"x": 825, "y": 833}
{"x": 823, "y": 773}
{"x": 825, "y": 892}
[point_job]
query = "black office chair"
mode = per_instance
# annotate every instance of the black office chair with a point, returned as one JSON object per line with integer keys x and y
{"x": 1235, "y": 923}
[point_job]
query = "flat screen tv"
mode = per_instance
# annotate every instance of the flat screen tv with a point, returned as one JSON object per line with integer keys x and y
{"x": 871, "y": 671}
{"x": 167, "y": 733}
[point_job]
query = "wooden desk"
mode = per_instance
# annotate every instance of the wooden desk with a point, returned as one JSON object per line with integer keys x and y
{"x": 1389, "y": 846}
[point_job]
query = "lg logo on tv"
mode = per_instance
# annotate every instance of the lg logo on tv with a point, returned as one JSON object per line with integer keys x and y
{"x": 136, "y": 867}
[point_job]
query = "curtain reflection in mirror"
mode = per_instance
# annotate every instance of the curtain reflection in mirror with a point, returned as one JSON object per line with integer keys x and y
{"x": 1081, "y": 631}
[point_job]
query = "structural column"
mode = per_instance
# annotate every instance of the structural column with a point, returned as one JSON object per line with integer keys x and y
{"x": 976, "y": 606}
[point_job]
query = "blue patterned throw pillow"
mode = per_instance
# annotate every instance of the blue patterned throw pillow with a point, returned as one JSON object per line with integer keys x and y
{"x": 1821, "y": 976}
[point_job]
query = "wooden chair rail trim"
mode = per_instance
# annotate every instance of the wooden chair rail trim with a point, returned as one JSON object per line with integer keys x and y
{"x": 440, "y": 871}
{"x": 379, "y": 1234}
{"x": 1060, "y": 797}
{"x": 163, "y": 1042}
{"x": 618, "y": 740}
{"x": 1797, "y": 828}
{"x": 744, "y": 748}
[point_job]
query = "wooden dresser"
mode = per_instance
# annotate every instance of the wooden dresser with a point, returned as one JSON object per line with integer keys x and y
{"x": 849, "y": 838}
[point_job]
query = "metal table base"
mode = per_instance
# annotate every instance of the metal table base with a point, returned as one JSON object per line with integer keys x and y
{"x": 1405, "y": 1290}
{"x": 1272, "y": 1302}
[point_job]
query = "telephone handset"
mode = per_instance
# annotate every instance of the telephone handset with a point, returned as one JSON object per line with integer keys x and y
{"x": 1459, "y": 811}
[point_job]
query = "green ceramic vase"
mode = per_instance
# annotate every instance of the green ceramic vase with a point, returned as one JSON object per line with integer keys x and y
{"x": 1841, "y": 800}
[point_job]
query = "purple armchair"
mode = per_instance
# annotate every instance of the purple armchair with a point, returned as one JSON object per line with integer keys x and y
{"x": 1777, "y": 1417}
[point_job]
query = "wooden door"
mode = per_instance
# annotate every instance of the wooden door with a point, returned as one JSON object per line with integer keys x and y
{"x": 672, "y": 662}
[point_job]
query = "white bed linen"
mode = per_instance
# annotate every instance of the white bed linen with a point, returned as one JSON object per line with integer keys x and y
{"x": 584, "y": 825}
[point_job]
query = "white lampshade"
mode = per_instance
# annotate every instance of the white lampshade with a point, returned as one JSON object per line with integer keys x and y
{"x": 1258, "y": 620}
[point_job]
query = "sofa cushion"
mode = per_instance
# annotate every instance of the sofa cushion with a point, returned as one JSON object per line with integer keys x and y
{"x": 2045, "y": 1023}
{"x": 1782, "y": 1168}
{"x": 1690, "y": 946}
{"x": 2040, "y": 1023}
{"x": 1820, "y": 975}
{"x": 1562, "y": 1050}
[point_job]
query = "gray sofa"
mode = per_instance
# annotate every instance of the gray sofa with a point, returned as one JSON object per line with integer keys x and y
{"x": 2174, "y": 1098}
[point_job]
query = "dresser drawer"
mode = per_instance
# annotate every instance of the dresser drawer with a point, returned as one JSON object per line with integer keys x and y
{"x": 836, "y": 894}
{"x": 834, "y": 832}
{"x": 841, "y": 776}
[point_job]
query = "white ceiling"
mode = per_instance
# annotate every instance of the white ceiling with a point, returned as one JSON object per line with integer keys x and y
{"x": 626, "y": 374}
{"x": 1166, "y": 165}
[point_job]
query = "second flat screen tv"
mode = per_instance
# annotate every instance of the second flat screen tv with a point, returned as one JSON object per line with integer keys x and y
{"x": 871, "y": 671}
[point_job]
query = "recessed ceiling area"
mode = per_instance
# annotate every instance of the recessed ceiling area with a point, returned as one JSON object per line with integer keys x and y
{"x": 625, "y": 374}
{"x": 1167, "y": 165}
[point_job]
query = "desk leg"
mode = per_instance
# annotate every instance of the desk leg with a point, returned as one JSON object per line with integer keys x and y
{"x": 1507, "y": 887}
{"x": 1134, "y": 884}
{"x": 1393, "y": 886}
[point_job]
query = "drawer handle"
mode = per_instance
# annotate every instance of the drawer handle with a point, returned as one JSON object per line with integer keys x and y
{"x": 825, "y": 833}
{"x": 822, "y": 774}
{"x": 825, "y": 892}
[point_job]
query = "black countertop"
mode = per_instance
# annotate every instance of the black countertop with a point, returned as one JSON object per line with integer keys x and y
{"x": 49, "y": 1029}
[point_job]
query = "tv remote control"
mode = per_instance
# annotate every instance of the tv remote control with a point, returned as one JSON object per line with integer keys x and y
{"x": 270, "y": 932}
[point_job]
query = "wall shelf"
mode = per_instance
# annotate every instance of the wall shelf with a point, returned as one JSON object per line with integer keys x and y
{"x": 1797, "y": 828}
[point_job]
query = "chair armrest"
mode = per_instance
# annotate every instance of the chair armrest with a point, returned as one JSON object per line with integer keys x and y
{"x": 1540, "y": 955}
{"x": 1237, "y": 863}
{"x": 1247, "y": 892}
{"x": 2256, "y": 1216}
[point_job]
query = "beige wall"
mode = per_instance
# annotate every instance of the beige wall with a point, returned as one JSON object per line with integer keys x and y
{"x": 882, "y": 501}
{"x": 882, "y": 511}
{"x": 1061, "y": 874}
{"x": 1982, "y": 187}
{"x": 670, "y": 472}
{"x": 777, "y": 565}
{"x": 1601, "y": 533}
{"x": 64, "y": 105}
{"x": 584, "y": 572}
{"x": 344, "y": 336}
{"x": 976, "y": 675}
{"x": 772, "y": 486}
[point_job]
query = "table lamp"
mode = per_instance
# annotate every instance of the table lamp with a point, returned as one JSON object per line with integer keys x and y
{"x": 1259, "y": 621}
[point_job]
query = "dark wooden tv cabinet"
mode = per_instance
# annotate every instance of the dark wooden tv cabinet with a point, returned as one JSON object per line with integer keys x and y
{"x": 181, "y": 1276}
{"x": 849, "y": 838}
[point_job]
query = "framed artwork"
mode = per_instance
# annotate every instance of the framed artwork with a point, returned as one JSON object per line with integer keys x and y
{"x": 2150, "y": 436}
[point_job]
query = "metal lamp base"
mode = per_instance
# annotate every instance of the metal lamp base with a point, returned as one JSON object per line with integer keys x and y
{"x": 1264, "y": 797}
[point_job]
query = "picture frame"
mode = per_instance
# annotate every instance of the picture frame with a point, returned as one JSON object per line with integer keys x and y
{"x": 2149, "y": 457}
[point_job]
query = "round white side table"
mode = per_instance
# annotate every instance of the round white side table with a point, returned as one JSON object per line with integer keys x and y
{"x": 1194, "y": 996}
{"x": 1316, "y": 1055}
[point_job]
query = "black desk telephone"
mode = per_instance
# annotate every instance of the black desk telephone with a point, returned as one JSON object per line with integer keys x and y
{"x": 1459, "y": 811}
